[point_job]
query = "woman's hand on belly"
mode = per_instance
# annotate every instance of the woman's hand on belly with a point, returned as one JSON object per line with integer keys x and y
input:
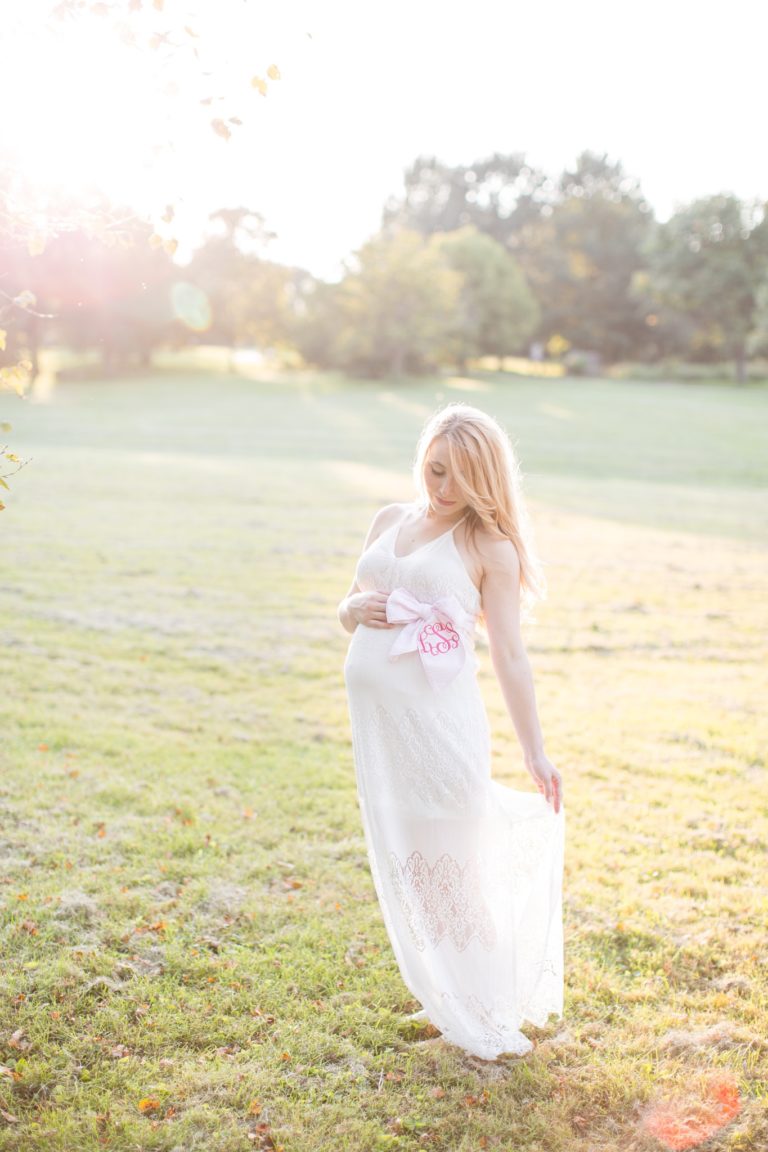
{"x": 369, "y": 608}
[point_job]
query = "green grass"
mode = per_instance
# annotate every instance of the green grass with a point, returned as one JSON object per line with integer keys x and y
{"x": 188, "y": 916}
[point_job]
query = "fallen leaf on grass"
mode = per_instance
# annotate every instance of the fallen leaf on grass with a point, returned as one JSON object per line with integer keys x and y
{"x": 265, "y": 1016}
{"x": 149, "y": 1104}
{"x": 476, "y": 1101}
{"x": 158, "y": 926}
{"x": 8, "y": 1116}
{"x": 261, "y": 1137}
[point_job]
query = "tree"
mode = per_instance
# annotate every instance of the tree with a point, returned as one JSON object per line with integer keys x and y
{"x": 316, "y": 324}
{"x": 708, "y": 262}
{"x": 86, "y": 293}
{"x": 583, "y": 255}
{"x": 395, "y": 306}
{"x": 496, "y": 312}
{"x": 251, "y": 299}
{"x": 210, "y": 90}
{"x": 758, "y": 337}
{"x": 579, "y": 239}
{"x": 498, "y": 195}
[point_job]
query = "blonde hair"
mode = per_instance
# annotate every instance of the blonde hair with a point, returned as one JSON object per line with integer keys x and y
{"x": 487, "y": 474}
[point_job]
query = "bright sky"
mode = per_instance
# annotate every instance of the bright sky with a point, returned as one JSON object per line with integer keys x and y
{"x": 673, "y": 88}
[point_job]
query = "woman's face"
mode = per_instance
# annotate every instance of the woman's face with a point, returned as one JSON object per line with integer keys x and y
{"x": 444, "y": 495}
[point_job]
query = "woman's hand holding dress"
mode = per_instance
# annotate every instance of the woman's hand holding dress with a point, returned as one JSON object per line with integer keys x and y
{"x": 547, "y": 778}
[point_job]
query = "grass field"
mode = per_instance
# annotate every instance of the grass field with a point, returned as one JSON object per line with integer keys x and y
{"x": 193, "y": 957}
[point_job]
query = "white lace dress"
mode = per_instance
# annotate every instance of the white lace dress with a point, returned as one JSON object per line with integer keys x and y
{"x": 468, "y": 872}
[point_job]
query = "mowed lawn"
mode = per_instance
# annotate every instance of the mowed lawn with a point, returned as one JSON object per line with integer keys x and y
{"x": 193, "y": 957}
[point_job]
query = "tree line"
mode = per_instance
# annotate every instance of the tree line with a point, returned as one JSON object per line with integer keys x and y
{"x": 495, "y": 258}
{"x": 577, "y": 265}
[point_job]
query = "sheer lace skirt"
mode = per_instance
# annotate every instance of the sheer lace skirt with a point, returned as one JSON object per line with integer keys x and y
{"x": 468, "y": 872}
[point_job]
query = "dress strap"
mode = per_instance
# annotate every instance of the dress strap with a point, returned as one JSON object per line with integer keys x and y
{"x": 451, "y": 531}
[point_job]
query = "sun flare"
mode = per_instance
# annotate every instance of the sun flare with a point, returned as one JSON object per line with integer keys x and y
{"x": 85, "y": 111}
{"x": 136, "y": 105}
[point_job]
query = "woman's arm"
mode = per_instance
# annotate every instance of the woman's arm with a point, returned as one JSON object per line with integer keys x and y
{"x": 501, "y": 609}
{"x": 369, "y": 608}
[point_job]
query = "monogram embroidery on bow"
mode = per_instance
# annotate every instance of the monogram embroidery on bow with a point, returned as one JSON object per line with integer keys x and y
{"x": 436, "y": 631}
{"x": 439, "y": 638}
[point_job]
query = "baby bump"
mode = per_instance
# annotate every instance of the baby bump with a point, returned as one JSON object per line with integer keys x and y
{"x": 368, "y": 668}
{"x": 372, "y": 668}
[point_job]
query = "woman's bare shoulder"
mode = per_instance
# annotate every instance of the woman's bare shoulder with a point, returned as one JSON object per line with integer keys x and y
{"x": 390, "y": 514}
{"x": 385, "y": 518}
{"x": 495, "y": 550}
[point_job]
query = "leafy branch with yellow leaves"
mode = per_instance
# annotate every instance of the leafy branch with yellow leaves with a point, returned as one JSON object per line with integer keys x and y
{"x": 13, "y": 378}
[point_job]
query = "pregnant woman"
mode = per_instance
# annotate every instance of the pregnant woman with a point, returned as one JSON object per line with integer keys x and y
{"x": 468, "y": 871}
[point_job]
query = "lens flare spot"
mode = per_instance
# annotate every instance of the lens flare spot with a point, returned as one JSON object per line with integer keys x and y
{"x": 686, "y": 1121}
{"x": 191, "y": 306}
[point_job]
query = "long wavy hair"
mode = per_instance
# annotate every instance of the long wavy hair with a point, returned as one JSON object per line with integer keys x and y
{"x": 488, "y": 476}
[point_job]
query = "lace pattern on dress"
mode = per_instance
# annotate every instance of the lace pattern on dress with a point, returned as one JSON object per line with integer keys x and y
{"x": 486, "y": 1030}
{"x": 517, "y": 858}
{"x": 379, "y": 568}
{"x": 432, "y": 586}
{"x": 429, "y": 762}
{"x": 441, "y": 901}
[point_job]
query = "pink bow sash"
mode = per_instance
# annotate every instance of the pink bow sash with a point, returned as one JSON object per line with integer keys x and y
{"x": 432, "y": 630}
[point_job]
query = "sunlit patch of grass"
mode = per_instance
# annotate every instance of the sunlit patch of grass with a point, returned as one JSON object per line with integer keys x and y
{"x": 521, "y": 366}
{"x": 192, "y": 948}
